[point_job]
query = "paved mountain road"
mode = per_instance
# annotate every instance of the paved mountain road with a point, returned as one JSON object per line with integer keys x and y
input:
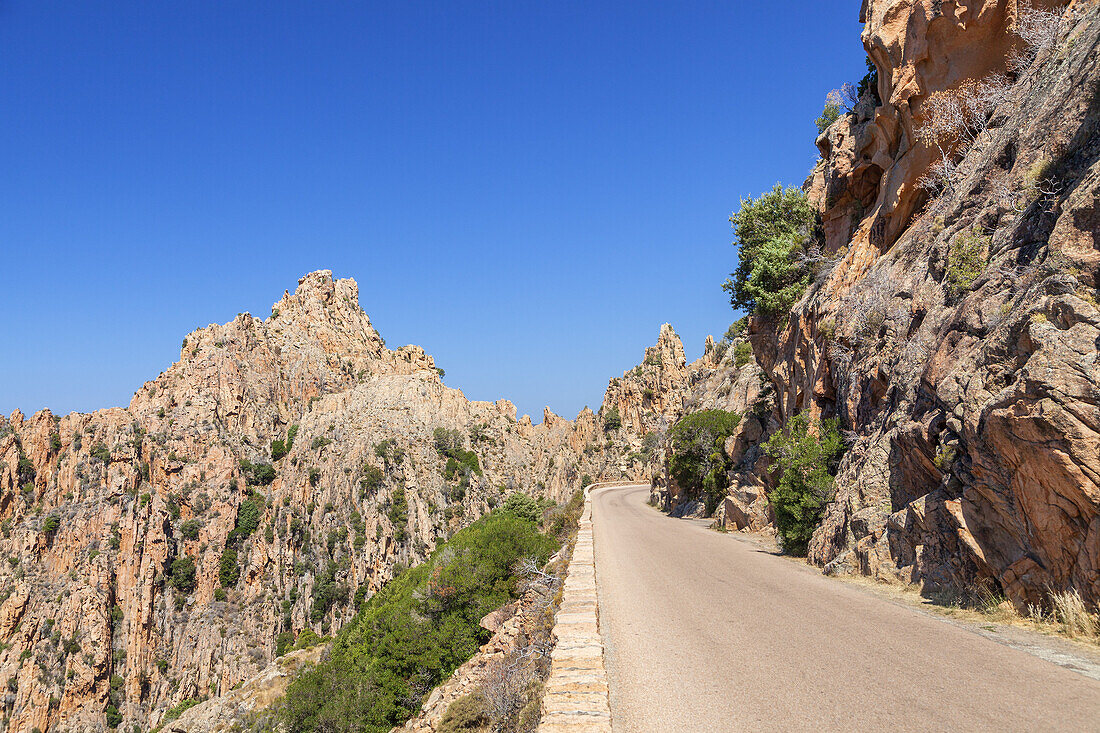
{"x": 707, "y": 633}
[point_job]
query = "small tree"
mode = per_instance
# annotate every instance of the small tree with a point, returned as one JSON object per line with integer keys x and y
{"x": 523, "y": 506}
{"x": 612, "y": 420}
{"x": 770, "y": 231}
{"x": 699, "y": 462}
{"x": 742, "y": 354}
{"x": 183, "y": 574}
{"x": 806, "y": 453}
{"x": 829, "y": 115}
{"x": 52, "y": 524}
{"x": 229, "y": 572}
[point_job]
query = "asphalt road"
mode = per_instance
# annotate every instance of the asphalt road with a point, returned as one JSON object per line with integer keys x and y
{"x": 704, "y": 632}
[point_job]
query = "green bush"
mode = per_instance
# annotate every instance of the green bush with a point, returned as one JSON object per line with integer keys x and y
{"x": 806, "y": 454}
{"x": 398, "y": 515}
{"x": 263, "y": 474}
{"x": 327, "y": 592}
{"x": 372, "y": 478}
{"x": 248, "y": 518}
{"x": 307, "y": 638}
{"x": 190, "y": 529}
{"x": 25, "y": 471}
{"x": 415, "y": 632}
{"x": 460, "y": 462}
{"x": 229, "y": 572}
{"x": 464, "y": 714}
{"x": 177, "y": 710}
{"x": 183, "y": 574}
{"x": 524, "y": 507}
{"x": 314, "y": 476}
{"x": 829, "y": 115}
{"x": 769, "y": 233}
{"x": 699, "y": 462}
{"x": 966, "y": 260}
{"x": 52, "y": 524}
{"x": 742, "y": 354}
{"x": 284, "y": 642}
{"x": 447, "y": 440}
{"x": 612, "y": 420}
{"x": 279, "y": 449}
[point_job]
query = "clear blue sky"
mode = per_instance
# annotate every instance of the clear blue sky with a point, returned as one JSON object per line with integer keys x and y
{"x": 525, "y": 189}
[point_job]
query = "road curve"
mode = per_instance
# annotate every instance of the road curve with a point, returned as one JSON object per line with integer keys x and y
{"x": 707, "y": 633}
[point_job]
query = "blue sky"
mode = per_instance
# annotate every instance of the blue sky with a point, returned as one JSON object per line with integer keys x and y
{"x": 525, "y": 189}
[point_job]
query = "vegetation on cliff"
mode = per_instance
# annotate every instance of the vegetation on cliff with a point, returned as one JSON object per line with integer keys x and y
{"x": 699, "y": 462}
{"x": 415, "y": 632}
{"x": 774, "y": 233}
{"x": 807, "y": 453}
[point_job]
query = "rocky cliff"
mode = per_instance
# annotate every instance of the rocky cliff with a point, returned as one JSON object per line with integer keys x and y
{"x": 162, "y": 552}
{"x": 955, "y": 331}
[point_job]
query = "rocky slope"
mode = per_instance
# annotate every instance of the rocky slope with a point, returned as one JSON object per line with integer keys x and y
{"x": 117, "y": 590}
{"x": 956, "y": 334}
{"x": 649, "y": 398}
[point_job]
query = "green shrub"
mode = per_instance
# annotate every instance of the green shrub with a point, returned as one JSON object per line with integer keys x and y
{"x": 398, "y": 515}
{"x": 189, "y": 529}
{"x": 314, "y": 476}
{"x": 229, "y": 572}
{"x": 612, "y": 420}
{"x": 327, "y": 592}
{"x": 307, "y": 638}
{"x": 183, "y": 574}
{"x": 284, "y": 642}
{"x": 263, "y": 474}
{"x": 52, "y": 524}
{"x": 447, "y": 440}
{"x": 291, "y": 433}
{"x": 829, "y": 115}
{"x": 279, "y": 449}
{"x": 25, "y": 472}
{"x": 806, "y": 454}
{"x": 114, "y": 717}
{"x": 524, "y": 507}
{"x": 371, "y": 480}
{"x": 742, "y": 354}
{"x": 769, "y": 233}
{"x": 248, "y": 518}
{"x": 177, "y": 710}
{"x": 415, "y": 632}
{"x": 464, "y": 714}
{"x": 101, "y": 453}
{"x": 966, "y": 260}
{"x": 699, "y": 462}
{"x": 461, "y": 463}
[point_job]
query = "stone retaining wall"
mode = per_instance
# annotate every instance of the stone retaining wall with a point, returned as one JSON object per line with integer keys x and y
{"x": 576, "y": 693}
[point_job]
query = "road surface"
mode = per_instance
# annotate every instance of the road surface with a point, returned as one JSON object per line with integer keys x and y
{"x": 704, "y": 632}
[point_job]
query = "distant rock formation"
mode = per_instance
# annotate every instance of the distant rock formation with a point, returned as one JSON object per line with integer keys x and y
{"x": 117, "y": 594}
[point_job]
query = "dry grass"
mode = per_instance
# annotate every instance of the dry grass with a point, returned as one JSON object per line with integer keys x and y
{"x": 1065, "y": 614}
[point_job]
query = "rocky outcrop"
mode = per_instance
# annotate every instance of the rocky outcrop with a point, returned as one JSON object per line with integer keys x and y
{"x": 872, "y": 162}
{"x": 960, "y": 347}
{"x": 651, "y": 397}
{"x": 121, "y": 594}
